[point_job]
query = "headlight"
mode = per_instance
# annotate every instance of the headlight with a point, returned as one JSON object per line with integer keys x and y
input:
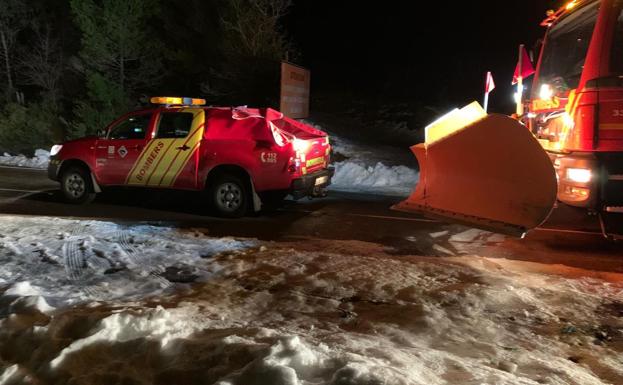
{"x": 55, "y": 149}
{"x": 580, "y": 175}
{"x": 546, "y": 92}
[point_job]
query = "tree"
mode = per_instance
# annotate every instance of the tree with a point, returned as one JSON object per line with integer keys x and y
{"x": 24, "y": 129}
{"x": 191, "y": 34}
{"x": 253, "y": 28}
{"x": 12, "y": 21}
{"x": 252, "y": 47}
{"x": 119, "y": 58}
{"x": 42, "y": 64}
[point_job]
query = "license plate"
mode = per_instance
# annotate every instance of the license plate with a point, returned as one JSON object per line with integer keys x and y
{"x": 315, "y": 161}
{"x": 321, "y": 180}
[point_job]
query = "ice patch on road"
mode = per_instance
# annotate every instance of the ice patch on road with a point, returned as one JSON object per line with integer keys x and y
{"x": 377, "y": 179}
{"x": 40, "y": 160}
{"x": 70, "y": 261}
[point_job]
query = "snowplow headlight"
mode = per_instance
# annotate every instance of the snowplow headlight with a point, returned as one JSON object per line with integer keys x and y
{"x": 546, "y": 92}
{"x": 580, "y": 175}
{"x": 55, "y": 149}
{"x": 177, "y": 101}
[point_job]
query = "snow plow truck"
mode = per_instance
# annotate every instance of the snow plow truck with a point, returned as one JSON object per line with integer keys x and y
{"x": 505, "y": 174}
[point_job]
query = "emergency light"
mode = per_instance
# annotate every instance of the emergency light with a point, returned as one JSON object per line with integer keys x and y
{"x": 177, "y": 101}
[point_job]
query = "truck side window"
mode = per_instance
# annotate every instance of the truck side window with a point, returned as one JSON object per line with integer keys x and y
{"x": 134, "y": 127}
{"x": 175, "y": 124}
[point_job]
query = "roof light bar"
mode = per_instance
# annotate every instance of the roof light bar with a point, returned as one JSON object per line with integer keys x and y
{"x": 177, "y": 101}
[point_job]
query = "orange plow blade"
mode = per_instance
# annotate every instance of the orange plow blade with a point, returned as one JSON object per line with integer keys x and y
{"x": 483, "y": 170}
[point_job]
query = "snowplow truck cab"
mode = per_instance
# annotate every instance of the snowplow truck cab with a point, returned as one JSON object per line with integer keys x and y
{"x": 505, "y": 175}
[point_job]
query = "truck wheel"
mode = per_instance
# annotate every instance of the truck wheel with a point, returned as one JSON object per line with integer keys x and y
{"x": 230, "y": 196}
{"x": 76, "y": 185}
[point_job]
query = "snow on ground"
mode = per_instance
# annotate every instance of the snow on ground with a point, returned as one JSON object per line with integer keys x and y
{"x": 61, "y": 262}
{"x": 356, "y": 176}
{"x": 40, "y": 160}
{"x": 369, "y": 169}
{"x": 300, "y": 313}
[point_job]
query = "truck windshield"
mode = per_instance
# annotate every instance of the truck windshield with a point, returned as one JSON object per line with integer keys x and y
{"x": 565, "y": 50}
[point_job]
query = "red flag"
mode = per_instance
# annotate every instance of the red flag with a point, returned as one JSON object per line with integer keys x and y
{"x": 526, "y": 67}
{"x": 490, "y": 84}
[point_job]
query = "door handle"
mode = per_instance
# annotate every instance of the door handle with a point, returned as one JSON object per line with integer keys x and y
{"x": 183, "y": 148}
{"x": 136, "y": 147}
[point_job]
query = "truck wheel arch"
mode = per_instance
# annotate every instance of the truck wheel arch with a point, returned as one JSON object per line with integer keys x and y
{"x": 232, "y": 169}
{"x": 79, "y": 163}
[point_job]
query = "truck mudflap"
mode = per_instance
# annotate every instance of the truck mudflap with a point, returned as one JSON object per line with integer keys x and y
{"x": 487, "y": 171}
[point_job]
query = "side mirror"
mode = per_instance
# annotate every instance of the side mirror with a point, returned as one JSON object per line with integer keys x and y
{"x": 101, "y": 133}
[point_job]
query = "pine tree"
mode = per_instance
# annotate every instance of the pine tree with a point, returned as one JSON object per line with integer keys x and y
{"x": 119, "y": 57}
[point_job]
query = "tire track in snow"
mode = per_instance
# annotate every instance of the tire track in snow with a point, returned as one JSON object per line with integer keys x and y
{"x": 78, "y": 263}
{"x": 73, "y": 260}
{"x": 76, "y": 267}
{"x": 126, "y": 243}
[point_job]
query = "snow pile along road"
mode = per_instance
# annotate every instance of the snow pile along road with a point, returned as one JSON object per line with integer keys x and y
{"x": 40, "y": 160}
{"x": 309, "y": 312}
{"x": 380, "y": 179}
{"x": 370, "y": 169}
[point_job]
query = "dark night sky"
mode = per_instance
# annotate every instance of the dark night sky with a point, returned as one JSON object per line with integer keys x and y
{"x": 437, "y": 52}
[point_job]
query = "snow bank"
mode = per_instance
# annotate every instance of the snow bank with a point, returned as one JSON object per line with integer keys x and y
{"x": 370, "y": 169}
{"x": 65, "y": 262}
{"x": 282, "y": 314}
{"x": 157, "y": 324}
{"x": 377, "y": 179}
{"x": 40, "y": 160}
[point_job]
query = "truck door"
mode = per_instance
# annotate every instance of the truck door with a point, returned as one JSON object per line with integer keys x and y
{"x": 119, "y": 151}
{"x": 170, "y": 158}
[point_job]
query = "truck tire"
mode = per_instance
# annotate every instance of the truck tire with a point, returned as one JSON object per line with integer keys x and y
{"x": 76, "y": 185}
{"x": 229, "y": 195}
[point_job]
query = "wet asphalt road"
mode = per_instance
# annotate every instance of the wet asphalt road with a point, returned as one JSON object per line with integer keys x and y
{"x": 570, "y": 237}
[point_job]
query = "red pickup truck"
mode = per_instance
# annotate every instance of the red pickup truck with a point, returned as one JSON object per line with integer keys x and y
{"x": 239, "y": 156}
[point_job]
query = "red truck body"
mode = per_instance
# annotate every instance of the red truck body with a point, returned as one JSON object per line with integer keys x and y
{"x": 181, "y": 147}
{"x": 576, "y": 107}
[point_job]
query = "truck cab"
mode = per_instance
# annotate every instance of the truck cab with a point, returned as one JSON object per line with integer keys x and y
{"x": 576, "y": 104}
{"x": 241, "y": 157}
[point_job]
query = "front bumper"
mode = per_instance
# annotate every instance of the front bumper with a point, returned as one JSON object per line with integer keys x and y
{"x": 310, "y": 184}
{"x": 53, "y": 168}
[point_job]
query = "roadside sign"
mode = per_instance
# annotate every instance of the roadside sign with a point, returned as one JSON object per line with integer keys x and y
{"x": 294, "y": 91}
